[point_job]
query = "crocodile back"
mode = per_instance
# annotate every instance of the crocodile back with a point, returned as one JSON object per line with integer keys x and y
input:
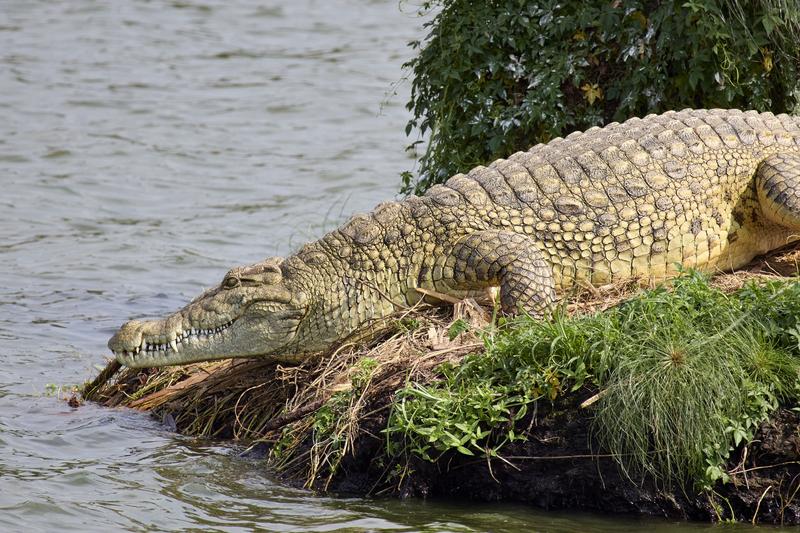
{"x": 633, "y": 199}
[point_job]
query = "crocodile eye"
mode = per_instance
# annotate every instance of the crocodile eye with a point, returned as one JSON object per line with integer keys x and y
{"x": 231, "y": 282}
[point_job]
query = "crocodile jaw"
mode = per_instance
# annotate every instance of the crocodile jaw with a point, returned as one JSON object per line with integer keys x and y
{"x": 252, "y": 313}
{"x": 176, "y": 341}
{"x": 146, "y": 344}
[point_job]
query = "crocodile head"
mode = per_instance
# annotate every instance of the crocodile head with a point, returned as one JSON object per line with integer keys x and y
{"x": 253, "y": 312}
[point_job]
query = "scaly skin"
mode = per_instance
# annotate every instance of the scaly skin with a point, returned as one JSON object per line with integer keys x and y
{"x": 702, "y": 189}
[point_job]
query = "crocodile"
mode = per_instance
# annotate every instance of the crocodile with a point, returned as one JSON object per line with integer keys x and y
{"x": 706, "y": 189}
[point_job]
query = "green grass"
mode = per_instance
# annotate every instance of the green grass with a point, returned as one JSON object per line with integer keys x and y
{"x": 686, "y": 371}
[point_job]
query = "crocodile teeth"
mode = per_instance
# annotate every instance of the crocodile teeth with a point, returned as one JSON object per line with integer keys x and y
{"x": 180, "y": 338}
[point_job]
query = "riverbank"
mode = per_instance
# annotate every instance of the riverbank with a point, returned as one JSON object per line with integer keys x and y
{"x": 453, "y": 402}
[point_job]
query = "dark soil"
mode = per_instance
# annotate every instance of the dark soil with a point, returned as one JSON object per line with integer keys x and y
{"x": 560, "y": 467}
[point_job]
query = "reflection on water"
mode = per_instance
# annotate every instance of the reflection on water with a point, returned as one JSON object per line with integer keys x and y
{"x": 145, "y": 148}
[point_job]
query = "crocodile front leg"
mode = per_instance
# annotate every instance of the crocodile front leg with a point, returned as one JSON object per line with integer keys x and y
{"x": 509, "y": 260}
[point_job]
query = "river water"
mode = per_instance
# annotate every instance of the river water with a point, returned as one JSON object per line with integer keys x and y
{"x": 145, "y": 148}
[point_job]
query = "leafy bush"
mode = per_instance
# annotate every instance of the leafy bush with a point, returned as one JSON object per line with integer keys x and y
{"x": 497, "y": 76}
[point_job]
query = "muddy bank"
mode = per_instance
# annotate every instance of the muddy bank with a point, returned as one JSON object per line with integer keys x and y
{"x": 560, "y": 466}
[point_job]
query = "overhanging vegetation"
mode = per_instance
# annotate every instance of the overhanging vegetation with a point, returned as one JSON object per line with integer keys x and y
{"x": 495, "y": 77}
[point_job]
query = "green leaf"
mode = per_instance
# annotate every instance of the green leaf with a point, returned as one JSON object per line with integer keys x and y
{"x": 457, "y": 328}
{"x": 464, "y": 450}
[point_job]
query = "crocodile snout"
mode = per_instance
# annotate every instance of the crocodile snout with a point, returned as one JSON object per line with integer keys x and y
{"x": 127, "y": 338}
